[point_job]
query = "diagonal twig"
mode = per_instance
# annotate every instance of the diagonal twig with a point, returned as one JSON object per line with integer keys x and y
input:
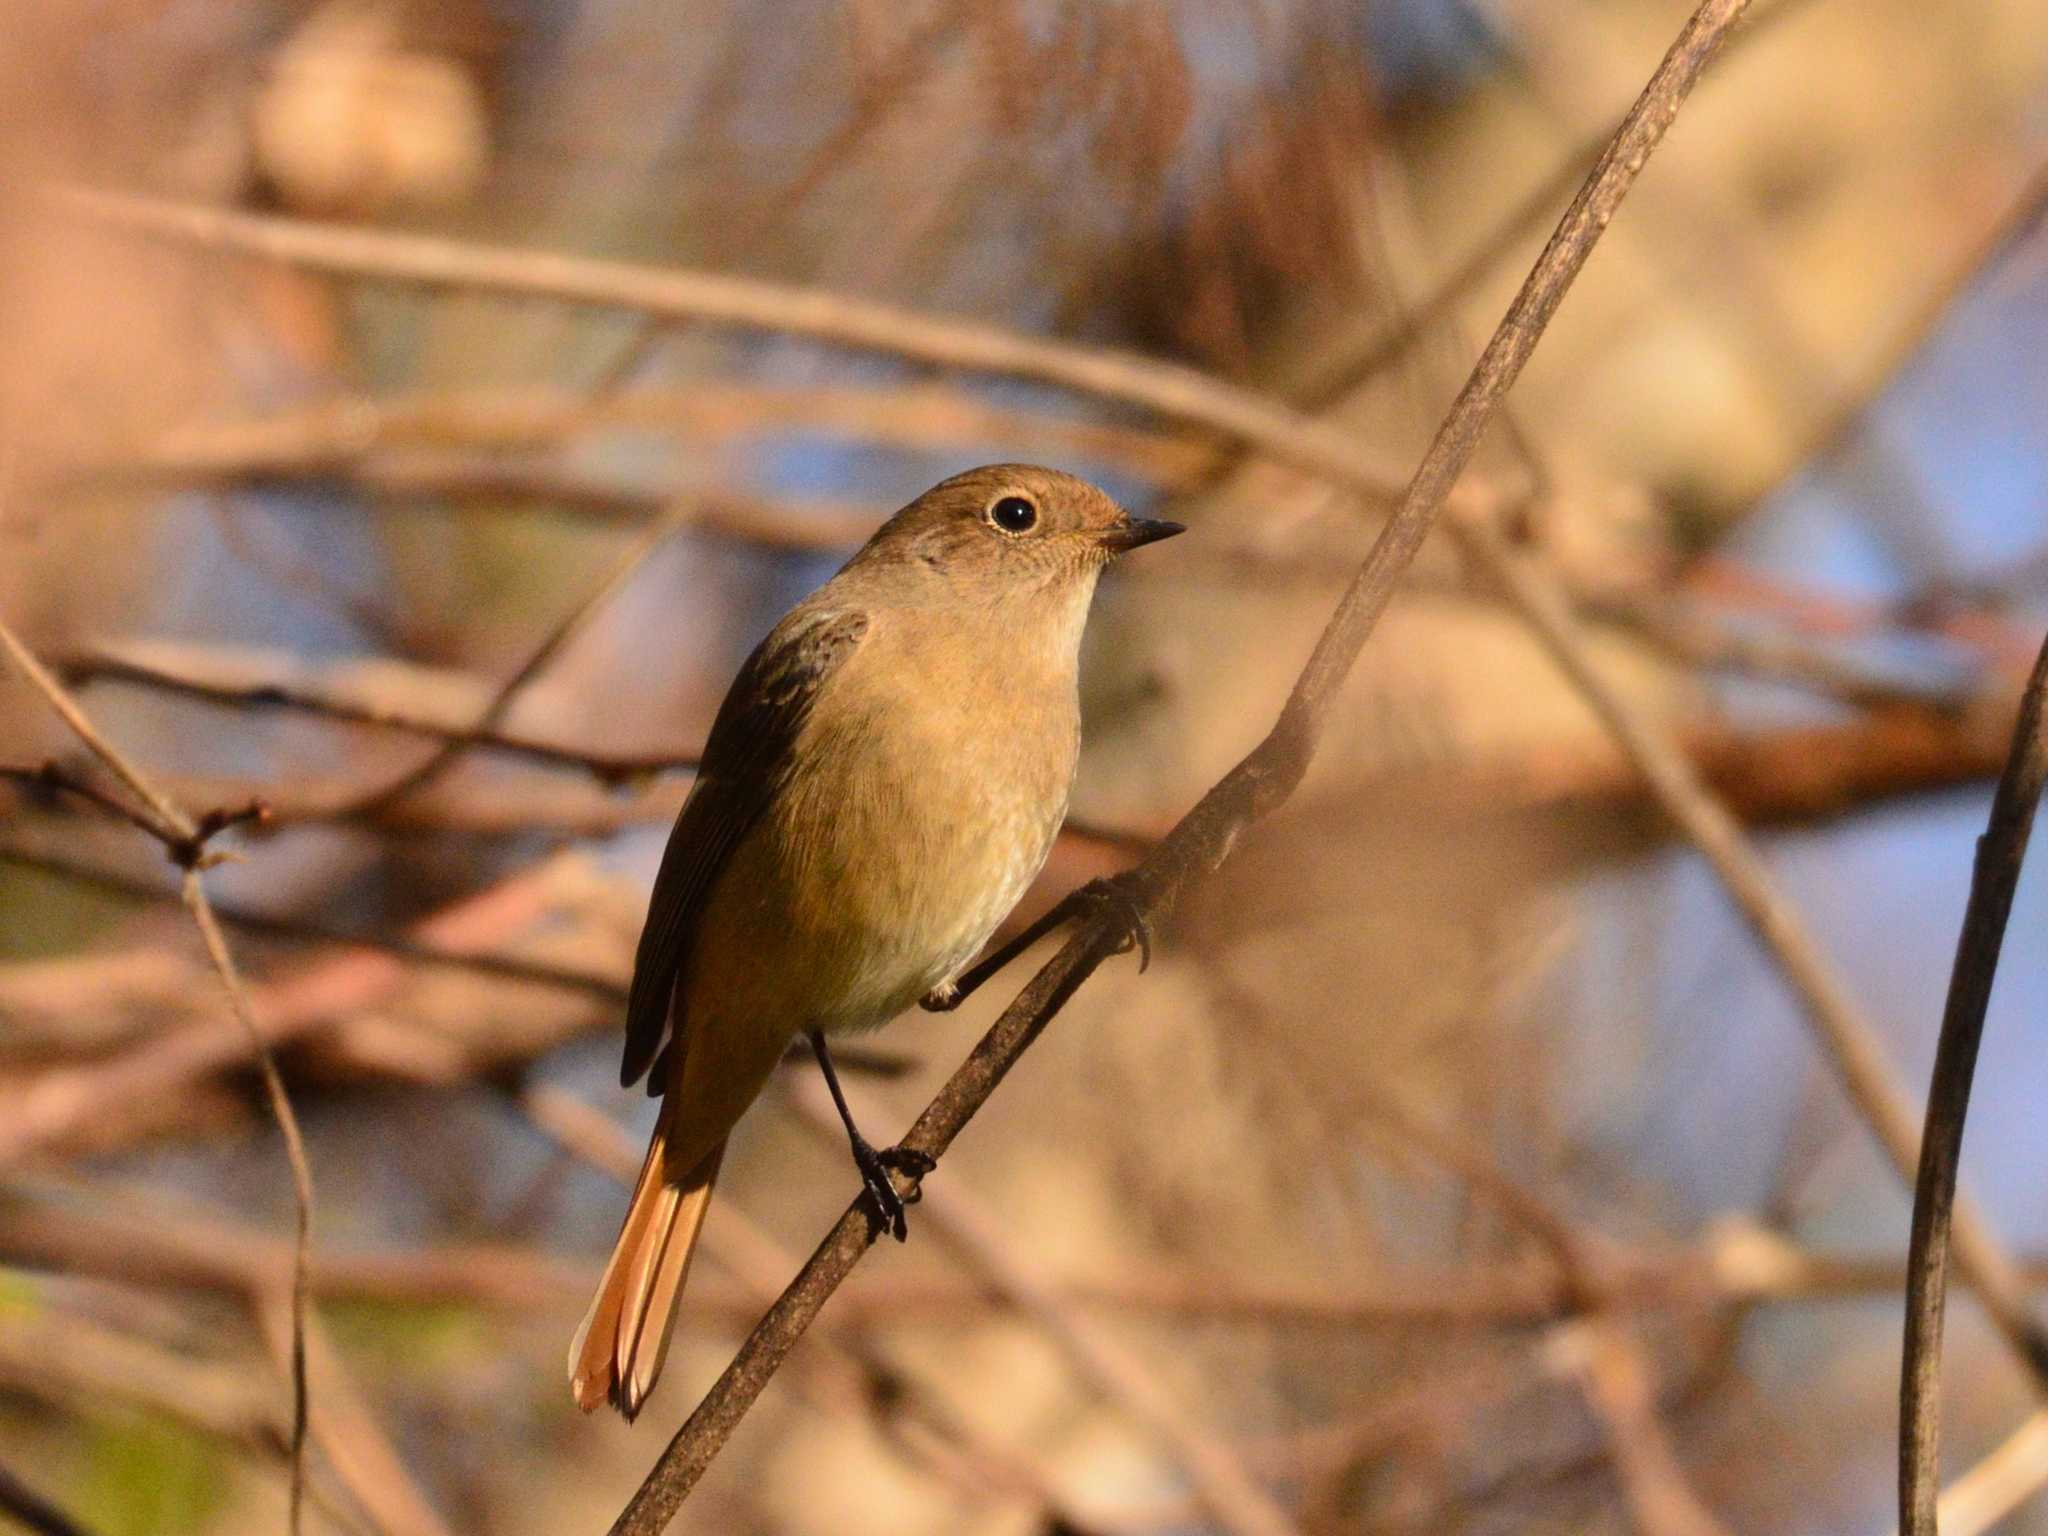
{"x": 586, "y": 608}
{"x": 953, "y": 1443}
{"x": 1263, "y": 781}
{"x": 1998, "y": 1484}
{"x": 1608, "y": 1363}
{"x": 1219, "y": 1476}
{"x": 31, "y": 1511}
{"x": 185, "y": 840}
{"x": 295, "y": 1153}
{"x": 1993, "y": 880}
{"x": 1852, "y": 1045}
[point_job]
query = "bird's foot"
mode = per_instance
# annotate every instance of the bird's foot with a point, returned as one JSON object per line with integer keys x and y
{"x": 943, "y": 998}
{"x": 875, "y": 1167}
{"x": 1118, "y": 894}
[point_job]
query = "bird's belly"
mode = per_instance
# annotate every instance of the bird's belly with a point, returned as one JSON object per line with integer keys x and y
{"x": 841, "y": 912}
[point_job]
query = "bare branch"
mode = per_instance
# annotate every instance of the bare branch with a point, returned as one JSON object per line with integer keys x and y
{"x": 1204, "y": 838}
{"x": 32, "y": 1512}
{"x": 185, "y": 839}
{"x": 1609, "y": 1367}
{"x": 1219, "y": 1477}
{"x": 608, "y": 768}
{"x": 621, "y": 571}
{"x": 295, "y": 1153}
{"x": 424, "y": 441}
{"x": 835, "y": 319}
{"x": 1852, "y": 1044}
{"x": 1996, "y": 875}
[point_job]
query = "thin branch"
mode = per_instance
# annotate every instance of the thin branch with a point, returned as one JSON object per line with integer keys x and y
{"x": 31, "y": 1511}
{"x": 1911, "y": 338}
{"x": 1772, "y": 774}
{"x": 755, "y": 1258}
{"x": 1695, "y": 633}
{"x": 1997, "y": 1485}
{"x": 608, "y": 768}
{"x": 354, "y": 1446}
{"x": 164, "y": 820}
{"x": 295, "y": 1153}
{"x": 1218, "y": 1475}
{"x": 1993, "y": 880}
{"x": 834, "y": 319}
{"x": 422, "y": 441}
{"x": 235, "y": 680}
{"x": 185, "y": 839}
{"x": 1609, "y": 1366}
{"x": 51, "y": 778}
{"x": 1205, "y": 837}
{"x": 1852, "y": 1043}
{"x": 572, "y": 623}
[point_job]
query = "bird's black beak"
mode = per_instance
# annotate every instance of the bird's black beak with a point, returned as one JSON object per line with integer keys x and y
{"x": 1136, "y": 531}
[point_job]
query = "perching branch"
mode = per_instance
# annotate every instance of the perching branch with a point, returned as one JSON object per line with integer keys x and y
{"x": 1995, "y": 877}
{"x": 1205, "y": 837}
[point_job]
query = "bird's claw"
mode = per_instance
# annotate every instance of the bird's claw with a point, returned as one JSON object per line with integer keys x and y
{"x": 1114, "y": 892}
{"x": 875, "y": 1167}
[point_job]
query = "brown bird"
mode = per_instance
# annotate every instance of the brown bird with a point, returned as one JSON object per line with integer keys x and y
{"x": 883, "y": 781}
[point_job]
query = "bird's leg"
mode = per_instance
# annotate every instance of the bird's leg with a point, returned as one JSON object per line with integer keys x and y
{"x": 875, "y": 1166}
{"x": 1112, "y": 891}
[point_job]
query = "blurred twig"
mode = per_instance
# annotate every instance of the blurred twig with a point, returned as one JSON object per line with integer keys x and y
{"x": 565, "y": 629}
{"x": 226, "y": 688}
{"x": 1341, "y": 376}
{"x": 1903, "y": 742}
{"x": 1994, "y": 878}
{"x": 427, "y": 439}
{"x": 1998, "y": 1484}
{"x": 1204, "y": 838}
{"x": 1911, "y": 338}
{"x": 185, "y": 840}
{"x": 32, "y": 1512}
{"x": 1850, "y": 1040}
{"x": 1221, "y": 1480}
{"x": 1610, "y": 1367}
{"x": 948, "y": 1440}
{"x": 295, "y": 1152}
{"x": 831, "y": 318}
{"x": 360, "y": 1453}
{"x": 60, "y": 1103}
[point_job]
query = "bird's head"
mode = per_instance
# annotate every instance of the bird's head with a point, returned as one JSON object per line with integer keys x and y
{"x": 1010, "y": 528}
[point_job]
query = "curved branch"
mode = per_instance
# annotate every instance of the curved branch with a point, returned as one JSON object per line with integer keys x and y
{"x": 1993, "y": 880}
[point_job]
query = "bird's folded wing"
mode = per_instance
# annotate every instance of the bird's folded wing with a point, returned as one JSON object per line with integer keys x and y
{"x": 748, "y": 753}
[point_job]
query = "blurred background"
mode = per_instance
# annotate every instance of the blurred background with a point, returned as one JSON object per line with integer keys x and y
{"x": 1462, "y": 1164}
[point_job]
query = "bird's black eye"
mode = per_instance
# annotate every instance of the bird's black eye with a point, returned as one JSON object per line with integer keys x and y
{"x": 1014, "y": 514}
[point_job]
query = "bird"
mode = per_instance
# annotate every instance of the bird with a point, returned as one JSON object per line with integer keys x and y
{"x": 883, "y": 781}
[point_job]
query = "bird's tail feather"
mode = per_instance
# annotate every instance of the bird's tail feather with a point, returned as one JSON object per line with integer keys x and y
{"x": 617, "y": 1353}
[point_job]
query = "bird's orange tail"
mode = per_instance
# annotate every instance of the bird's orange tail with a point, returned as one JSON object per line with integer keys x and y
{"x": 617, "y": 1353}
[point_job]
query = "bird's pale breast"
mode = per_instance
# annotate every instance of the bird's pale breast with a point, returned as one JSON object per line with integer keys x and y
{"x": 908, "y": 830}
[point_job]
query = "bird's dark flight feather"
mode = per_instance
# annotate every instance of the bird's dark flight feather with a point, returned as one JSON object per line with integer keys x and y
{"x": 748, "y": 753}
